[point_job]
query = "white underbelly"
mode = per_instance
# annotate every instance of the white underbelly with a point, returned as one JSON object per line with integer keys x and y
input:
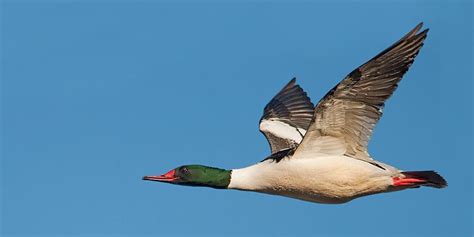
{"x": 323, "y": 180}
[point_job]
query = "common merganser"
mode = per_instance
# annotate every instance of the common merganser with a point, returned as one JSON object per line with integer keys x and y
{"x": 319, "y": 154}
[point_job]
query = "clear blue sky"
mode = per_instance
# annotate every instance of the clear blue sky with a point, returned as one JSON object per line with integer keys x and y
{"x": 96, "y": 94}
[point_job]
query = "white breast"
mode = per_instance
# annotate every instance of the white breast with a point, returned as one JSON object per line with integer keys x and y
{"x": 332, "y": 179}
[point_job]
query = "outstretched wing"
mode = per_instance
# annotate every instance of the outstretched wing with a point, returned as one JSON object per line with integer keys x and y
{"x": 286, "y": 117}
{"x": 344, "y": 119}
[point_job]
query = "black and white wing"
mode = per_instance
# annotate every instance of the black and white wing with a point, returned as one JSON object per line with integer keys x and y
{"x": 344, "y": 119}
{"x": 287, "y": 117}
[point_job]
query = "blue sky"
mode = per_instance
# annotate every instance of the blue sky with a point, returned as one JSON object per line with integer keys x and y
{"x": 96, "y": 94}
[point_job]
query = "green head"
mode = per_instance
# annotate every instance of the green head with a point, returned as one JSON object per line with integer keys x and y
{"x": 195, "y": 175}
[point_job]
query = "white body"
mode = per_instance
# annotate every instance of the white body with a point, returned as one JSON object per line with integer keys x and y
{"x": 326, "y": 179}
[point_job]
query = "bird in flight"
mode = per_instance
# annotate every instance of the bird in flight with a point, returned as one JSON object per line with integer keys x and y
{"x": 319, "y": 153}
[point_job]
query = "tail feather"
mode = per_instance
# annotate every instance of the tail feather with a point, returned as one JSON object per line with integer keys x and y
{"x": 430, "y": 178}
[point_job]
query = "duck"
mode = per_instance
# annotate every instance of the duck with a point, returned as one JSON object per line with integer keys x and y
{"x": 319, "y": 153}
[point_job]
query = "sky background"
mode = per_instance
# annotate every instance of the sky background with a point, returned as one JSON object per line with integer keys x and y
{"x": 97, "y": 94}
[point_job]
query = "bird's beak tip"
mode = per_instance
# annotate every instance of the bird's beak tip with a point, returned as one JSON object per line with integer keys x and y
{"x": 168, "y": 177}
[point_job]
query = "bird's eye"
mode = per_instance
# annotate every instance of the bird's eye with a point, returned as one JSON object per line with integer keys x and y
{"x": 184, "y": 170}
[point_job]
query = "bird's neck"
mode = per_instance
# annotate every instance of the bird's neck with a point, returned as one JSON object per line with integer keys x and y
{"x": 212, "y": 177}
{"x": 250, "y": 178}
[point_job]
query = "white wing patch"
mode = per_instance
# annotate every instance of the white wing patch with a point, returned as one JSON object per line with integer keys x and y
{"x": 282, "y": 130}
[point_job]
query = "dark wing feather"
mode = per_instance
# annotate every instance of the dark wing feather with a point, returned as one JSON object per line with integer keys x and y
{"x": 351, "y": 109}
{"x": 290, "y": 107}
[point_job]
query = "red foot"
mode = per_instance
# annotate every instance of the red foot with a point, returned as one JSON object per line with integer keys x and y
{"x": 397, "y": 181}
